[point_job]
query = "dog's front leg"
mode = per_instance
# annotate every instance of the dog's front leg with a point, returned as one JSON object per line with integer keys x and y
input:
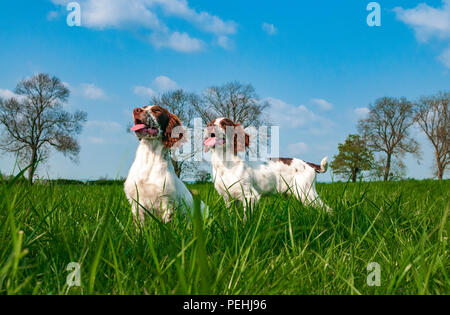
{"x": 166, "y": 210}
{"x": 249, "y": 201}
{"x": 228, "y": 200}
{"x": 167, "y": 216}
{"x": 138, "y": 214}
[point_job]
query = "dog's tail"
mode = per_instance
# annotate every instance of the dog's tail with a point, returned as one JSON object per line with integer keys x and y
{"x": 322, "y": 168}
{"x": 324, "y": 165}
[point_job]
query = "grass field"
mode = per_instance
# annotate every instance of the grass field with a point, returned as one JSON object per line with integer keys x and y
{"x": 282, "y": 248}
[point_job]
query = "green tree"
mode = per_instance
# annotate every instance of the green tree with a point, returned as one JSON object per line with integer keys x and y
{"x": 354, "y": 157}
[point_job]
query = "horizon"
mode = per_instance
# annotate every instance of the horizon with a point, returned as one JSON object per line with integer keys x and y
{"x": 319, "y": 66}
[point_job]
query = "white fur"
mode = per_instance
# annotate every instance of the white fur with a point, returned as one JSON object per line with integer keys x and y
{"x": 247, "y": 181}
{"x": 152, "y": 182}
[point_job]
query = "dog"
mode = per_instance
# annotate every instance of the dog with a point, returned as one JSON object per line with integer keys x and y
{"x": 245, "y": 181}
{"x": 152, "y": 183}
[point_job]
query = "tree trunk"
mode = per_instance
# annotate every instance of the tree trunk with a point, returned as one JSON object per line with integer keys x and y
{"x": 440, "y": 169}
{"x": 440, "y": 173}
{"x": 353, "y": 176}
{"x": 387, "y": 168}
{"x": 32, "y": 168}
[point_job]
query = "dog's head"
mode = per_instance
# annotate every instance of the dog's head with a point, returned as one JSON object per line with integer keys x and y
{"x": 224, "y": 132}
{"x": 157, "y": 123}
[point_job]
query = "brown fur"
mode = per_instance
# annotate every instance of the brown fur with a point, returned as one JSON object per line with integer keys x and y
{"x": 167, "y": 122}
{"x": 239, "y": 146}
{"x": 211, "y": 124}
{"x": 287, "y": 161}
{"x": 316, "y": 167}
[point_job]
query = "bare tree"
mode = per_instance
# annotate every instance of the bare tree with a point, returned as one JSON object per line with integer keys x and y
{"x": 181, "y": 104}
{"x": 397, "y": 169}
{"x": 35, "y": 122}
{"x": 386, "y": 129}
{"x": 233, "y": 100}
{"x": 432, "y": 115}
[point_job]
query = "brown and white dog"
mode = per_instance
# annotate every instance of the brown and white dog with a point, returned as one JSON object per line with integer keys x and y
{"x": 236, "y": 178}
{"x": 152, "y": 182}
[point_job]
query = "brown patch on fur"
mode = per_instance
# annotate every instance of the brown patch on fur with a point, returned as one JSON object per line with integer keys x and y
{"x": 167, "y": 122}
{"x": 316, "y": 167}
{"x": 239, "y": 146}
{"x": 139, "y": 116}
{"x": 287, "y": 161}
{"x": 226, "y": 122}
{"x": 211, "y": 123}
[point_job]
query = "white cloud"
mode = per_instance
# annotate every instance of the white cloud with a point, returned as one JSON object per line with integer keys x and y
{"x": 295, "y": 149}
{"x": 67, "y": 85}
{"x": 161, "y": 83}
{"x": 225, "y": 42}
{"x": 362, "y": 112}
{"x": 428, "y": 23}
{"x": 203, "y": 20}
{"x": 102, "y": 14}
{"x": 269, "y": 28}
{"x": 445, "y": 57}
{"x": 288, "y": 115}
{"x": 6, "y": 94}
{"x": 144, "y": 91}
{"x": 323, "y": 104}
{"x": 181, "y": 42}
{"x": 164, "y": 83}
{"x": 148, "y": 16}
{"x": 92, "y": 92}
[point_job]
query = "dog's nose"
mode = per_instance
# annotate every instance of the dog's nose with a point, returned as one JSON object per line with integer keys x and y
{"x": 137, "y": 110}
{"x": 213, "y": 135}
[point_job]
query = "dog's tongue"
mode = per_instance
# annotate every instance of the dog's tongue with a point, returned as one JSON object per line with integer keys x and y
{"x": 143, "y": 128}
{"x": 210, "y": 142}
{"x": 138, "y": 127}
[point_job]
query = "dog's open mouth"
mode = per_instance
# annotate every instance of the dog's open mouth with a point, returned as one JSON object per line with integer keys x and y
{"x": 140, "y": 127}
{"x": 212, "y": 141}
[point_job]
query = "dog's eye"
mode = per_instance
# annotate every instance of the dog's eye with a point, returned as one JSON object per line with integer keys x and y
{"x": 156, "y": 110}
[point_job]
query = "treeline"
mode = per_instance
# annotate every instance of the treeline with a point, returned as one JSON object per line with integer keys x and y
{"x": 39, "y": 102}
{"x": 63, "y": 182}
{"x": 379, "y": 148}
{"x": 384, "y": 138}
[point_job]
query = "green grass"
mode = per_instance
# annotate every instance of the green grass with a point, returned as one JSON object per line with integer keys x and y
{"x": 282, "y": 248}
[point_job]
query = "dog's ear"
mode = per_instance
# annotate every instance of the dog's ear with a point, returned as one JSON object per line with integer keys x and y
{"x": 241, "y": 139}
{"x": 174, "y": 133}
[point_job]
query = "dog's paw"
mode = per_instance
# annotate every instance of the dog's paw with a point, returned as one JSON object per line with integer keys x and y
{"x": 167, "y": 217}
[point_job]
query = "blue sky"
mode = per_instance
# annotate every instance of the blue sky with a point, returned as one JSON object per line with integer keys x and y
{"x": 319, "y": 64}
